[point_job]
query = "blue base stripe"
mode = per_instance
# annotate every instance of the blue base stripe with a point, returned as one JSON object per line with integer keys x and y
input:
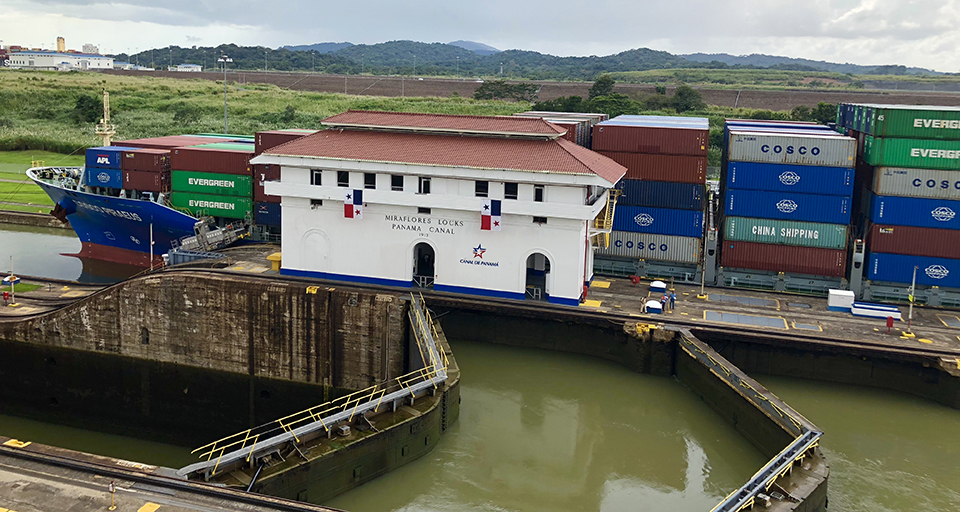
{"x": 563, "y": 301}
{"x": 478, "y": 291}
{"x": 347, "y": 278}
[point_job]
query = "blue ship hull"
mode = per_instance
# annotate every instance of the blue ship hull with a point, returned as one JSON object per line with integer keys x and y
{"x": 118, "y": 229}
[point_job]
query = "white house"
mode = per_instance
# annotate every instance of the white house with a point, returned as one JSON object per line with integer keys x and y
{"x": 421, "y": 188}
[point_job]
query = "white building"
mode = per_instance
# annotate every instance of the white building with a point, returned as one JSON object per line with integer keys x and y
{"x": 424, "y": 181}
{"x": 90, "y": 49}
{"x": 195, "y": 68}
{"x": 58, "y": 61}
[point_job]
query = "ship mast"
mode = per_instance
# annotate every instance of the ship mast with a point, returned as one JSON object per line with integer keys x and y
{"x": 105, "y": 130}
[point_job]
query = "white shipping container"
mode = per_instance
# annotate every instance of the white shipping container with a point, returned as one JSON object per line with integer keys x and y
{"x": 678, "y": 249}
{"x": 793, "y": 148}
{"x": 923, "y": 183}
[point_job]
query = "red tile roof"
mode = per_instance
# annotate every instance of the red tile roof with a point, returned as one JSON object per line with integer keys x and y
{"x": 445, "y": 123}
{"x": 554, "y": 156}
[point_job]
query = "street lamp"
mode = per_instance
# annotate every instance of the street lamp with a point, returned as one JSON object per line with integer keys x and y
{"x": 264, "y": 61}
{"x": 414, "y": 65}
{"x": 224, "y": 59}
{"x": 458, "y": 66}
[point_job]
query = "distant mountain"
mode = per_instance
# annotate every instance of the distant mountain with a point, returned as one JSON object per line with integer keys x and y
{"x": 475, "y": 47}
{"x": 318, "y": 47}
{"x": 772, "y": 61}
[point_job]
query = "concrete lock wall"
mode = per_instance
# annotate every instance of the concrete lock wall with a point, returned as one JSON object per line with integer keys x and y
{"x": 176, "y": 348}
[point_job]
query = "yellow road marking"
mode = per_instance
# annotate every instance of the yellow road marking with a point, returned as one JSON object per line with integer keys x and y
{"x": 924, "y": 340}
{"x": 592, "y": 303}
{"x": 958, "y": 363}
{"x": 75, "y": 293}
{"x": 149, "y": 507}
{"x": 235, "y": 268}
{"x": 13, "y": 443}
{"x": 600, "y": 284}
{"x": 684, "y": 313}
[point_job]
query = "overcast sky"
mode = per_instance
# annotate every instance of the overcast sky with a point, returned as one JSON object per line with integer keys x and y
{"x": 924, "y": 33}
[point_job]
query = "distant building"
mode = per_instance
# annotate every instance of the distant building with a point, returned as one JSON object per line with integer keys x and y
{"x": 123, "y": 65}
{"x": 90, "y": 49}
{"x": 194, "y": 68}
{"x": 61, "y": 45}
{"x": 58, "y": 61}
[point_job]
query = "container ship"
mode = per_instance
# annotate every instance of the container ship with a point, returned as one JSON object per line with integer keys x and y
{"x": 137, "y": 199}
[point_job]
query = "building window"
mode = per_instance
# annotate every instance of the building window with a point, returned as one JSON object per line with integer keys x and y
{"x": 369, "y": 180}
{"x": 316, "y": 177}
{"x": 343, "y": 179}
{"x": 424, "y": 186}
{"x": 482, "y": 188}
{"x": 423, "y": 211}
{"x": 314, "y": 203}
{"x": 538, "y": 193}
{"x": 396, "y": 182}
{"x": 539, "y": 220}
{"x": 509, "y": 190}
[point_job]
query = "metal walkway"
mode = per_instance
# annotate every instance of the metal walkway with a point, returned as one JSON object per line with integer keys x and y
{"x": 248, "y": 446}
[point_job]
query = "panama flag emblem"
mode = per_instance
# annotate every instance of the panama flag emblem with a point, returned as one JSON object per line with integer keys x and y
{"x": 490, "y": 216}
{"x": 353, "y": 204}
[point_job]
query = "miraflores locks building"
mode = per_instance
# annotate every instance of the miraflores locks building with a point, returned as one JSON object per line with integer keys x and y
{"x": 492, "y": 206}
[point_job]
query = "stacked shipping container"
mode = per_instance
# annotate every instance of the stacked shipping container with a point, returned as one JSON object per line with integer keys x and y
{"x": 787, "y": 193}
{"x": 213, "y": 179}
{"x": 659, "y": 215}
{"x": 910, "y": 171}
{"x": 579, "y": 125}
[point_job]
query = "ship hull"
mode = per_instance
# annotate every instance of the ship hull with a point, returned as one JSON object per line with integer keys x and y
{"x": 117, "y": 229}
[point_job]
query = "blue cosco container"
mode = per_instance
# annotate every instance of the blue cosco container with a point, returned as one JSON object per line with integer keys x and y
{"x": 788, "y": 206}
{"x": 268, "y": 214}
{"x": 99, "y": 177}
{"x": 658, "y": 221}
{"x": 661, "y": 194}
{"x": 912, "y": 211}
{"x": 801, "y": 179}
{"x": 898, "y": 268}
{"x": 105, "y": 157}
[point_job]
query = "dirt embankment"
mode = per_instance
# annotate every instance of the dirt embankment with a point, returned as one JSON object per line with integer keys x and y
{"x": 407, "y": 86}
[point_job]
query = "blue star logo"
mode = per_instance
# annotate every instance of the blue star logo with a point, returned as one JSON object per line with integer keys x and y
{"x": 478, "y": 251}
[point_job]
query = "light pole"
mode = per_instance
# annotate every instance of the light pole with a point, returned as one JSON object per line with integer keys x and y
{"x": 313, "y": 61}
{"x": 458, "y": 66}
{"x": 264, "y": 61}
{"x": 171, "y": 58}
{"x": 501, "y": 69}
{"x": 414, "y": 65}
{"x": 361, "y": 63}
{"x": 224, "y": 59}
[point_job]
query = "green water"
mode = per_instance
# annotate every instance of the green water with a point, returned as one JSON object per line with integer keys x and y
{"x": 546, "y": 431}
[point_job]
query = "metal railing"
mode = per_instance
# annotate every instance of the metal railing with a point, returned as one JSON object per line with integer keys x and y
{"x": 603, "y": 224}
{"x": 247, "y": 446}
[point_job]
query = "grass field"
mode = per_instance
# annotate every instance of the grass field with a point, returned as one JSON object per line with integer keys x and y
{"x": 19, "y": 193}
{"x": 22, "y": 288}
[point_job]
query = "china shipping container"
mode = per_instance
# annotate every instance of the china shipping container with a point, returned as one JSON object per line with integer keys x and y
{"x": 675, "y": 168}
{"x": 211, "y": 159}
{"x": 898, "y": 268}
{"x": 914, "y": 241}
{"x": 146, "y": 160}
{"x": 262, "y": 173}
{"x": 787, "y": 206}
{"x": 212, "y": 183}
{"x": 676, "y": 249}
{"x": 658, "y": 221}
{"x": 912, "y": 211}
{"x": 923, "y": 183}
{"x": 785, "y": 232}
{"x": 913, "y": 153}
{"x": 100, "y": 177}
{"x": 170, "y": 142}
{"x": 272, "y": 138}
{"x": 658, "y": 135}
{"x": 146, "y": 181}
{"x": 801, "y": 179}
{"x": 105, "y": 157}
{"x": 798, "y": 149}
{"x": 912, "y": 121}
{"x": 216, "y": 206}
{"x": 267, "y": 214}
{"x": 812, "y": 261}
{"x": 661, "y": 194}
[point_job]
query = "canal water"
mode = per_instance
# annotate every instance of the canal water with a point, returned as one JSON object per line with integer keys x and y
{"x": 45, "y": 252}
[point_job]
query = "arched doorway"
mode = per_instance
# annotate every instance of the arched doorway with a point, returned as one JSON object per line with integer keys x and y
{"x": 538, "y": 269}
{"x": 423, "y": 265}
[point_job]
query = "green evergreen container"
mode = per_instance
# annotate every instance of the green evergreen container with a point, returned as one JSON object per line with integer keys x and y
{"x": 242, "y": 147}
{"x": 212, "y": 183}
{"x": 913, "y": 121}
{"x": 216, "y": 206}
{"x": 785, "y": 232}
{"x": 915, "y": 153}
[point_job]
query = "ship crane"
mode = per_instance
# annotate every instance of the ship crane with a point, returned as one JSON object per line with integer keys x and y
{"x": 105, "y": 130}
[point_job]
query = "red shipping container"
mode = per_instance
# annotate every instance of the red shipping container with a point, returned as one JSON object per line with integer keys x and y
{"x": 263, "y": 173}
{"x": 789, "y": 259}
{"x": 173, "y": 141}
{"x": 219, "y": 161}
{"x": 146, "y": 181}
{"x": 914, "y": 241}
{"x": 651, "y": 140}
{"x": 571, "y": 128}
{"x": 273, "y": 138}
{"x": 675, "y": 168}
{"x": 146, "y": 160}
